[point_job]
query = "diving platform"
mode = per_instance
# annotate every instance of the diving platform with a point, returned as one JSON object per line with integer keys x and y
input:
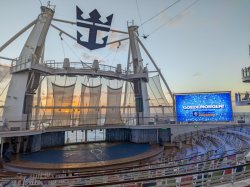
{"x": 76, "y": 68}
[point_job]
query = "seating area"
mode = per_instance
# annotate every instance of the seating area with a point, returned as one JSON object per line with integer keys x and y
{"x": 205, "y": 158}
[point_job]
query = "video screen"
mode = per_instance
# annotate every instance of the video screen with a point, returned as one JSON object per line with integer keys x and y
{"x": 204, "y": 107}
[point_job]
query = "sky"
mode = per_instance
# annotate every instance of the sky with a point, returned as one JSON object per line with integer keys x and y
{"x": 199, "y": 45}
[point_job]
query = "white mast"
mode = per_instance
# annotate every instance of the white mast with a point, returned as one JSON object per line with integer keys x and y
{"x": 140, "y": 85}
{"x": 19, "y": 100}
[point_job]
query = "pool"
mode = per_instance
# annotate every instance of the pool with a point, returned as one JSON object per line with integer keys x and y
{"x": 81, "y": 153}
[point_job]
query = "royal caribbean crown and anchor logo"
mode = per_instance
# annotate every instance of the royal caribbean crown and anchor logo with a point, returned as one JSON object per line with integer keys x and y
{"x": 94, "y": 24}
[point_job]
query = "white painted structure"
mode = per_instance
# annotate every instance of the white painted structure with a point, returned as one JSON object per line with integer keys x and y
{"x": 18, "y": 103}
{"x": 140, "y": 85}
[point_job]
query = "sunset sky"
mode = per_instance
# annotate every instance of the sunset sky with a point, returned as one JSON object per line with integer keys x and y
{"x": 199, "y": 45}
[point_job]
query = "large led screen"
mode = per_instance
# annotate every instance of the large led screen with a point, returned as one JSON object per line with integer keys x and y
{"x": 202, "y": 107}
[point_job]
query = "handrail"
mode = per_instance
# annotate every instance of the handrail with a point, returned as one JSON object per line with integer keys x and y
{"x": 141, "y": 176}
{"x": 22, "y": 61}
{"x": 190, "y": 134}
{"x": 128, "y": 120}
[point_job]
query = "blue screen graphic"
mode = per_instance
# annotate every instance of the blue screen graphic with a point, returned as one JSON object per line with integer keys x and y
{"x": 204, "y": 107}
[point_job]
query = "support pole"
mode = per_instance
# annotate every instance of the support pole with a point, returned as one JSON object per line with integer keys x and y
{"x": 86, "y": 135}
{"x": 17, "y": 35}
{"x": 38, "y": 102}
{"x": 2, "y": 142}
{"x": 55, "y": 27}
{"x": 116, "y": 41}
{"x": 126, "y": 84}
{"x": 157, "y": 136}
{"x": 38, "y": 108}
{"x": 140, "y": 85}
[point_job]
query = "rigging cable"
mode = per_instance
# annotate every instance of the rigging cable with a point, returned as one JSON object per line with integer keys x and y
{"x": 150, "y": 100}
{"x": 72, "y": 111}
{"x": 160, "y": 91}
{"x": 103, "y": 58}
{"x": 117, "y": 48}
{"x": 138, "y": 10}
{"x": 40, "y": 2}
{"x": 159, "y": 13}
{"x": 173, "y": 18}
{"x": 72, "y": 51}
{"x": 53, "y": 99}
{"x": 7, "y": 72}
{"x": 62, "y": 99}
{"x": 60, "y": 34}
{"x": 5, "y": 88}
{"x": 80, "y": 101}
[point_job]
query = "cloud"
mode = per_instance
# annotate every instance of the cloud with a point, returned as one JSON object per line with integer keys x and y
{"x": 180, "y": 19}
{"x": 197, "y": 74}
{"x": 86, "y": 56}
{"x": 123, "y": 45}
{"x": 174, "y": 21}
{"x": 89, "y": 57}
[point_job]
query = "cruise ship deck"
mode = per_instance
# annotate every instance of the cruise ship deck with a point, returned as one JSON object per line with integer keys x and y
{"x": 78, "y": 118}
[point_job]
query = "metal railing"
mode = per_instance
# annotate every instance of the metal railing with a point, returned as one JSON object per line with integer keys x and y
{"x": 25, "y": 62}
{"x": 22, "y": 63}
{"x": 209, "y": 172}
{"x": 74, "y": 120}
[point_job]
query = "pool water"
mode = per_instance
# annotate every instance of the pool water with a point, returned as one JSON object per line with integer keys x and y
{"x": 87, "y": 153}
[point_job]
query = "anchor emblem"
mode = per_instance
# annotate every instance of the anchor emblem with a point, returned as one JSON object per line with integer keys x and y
{"x": 94, "y": 24}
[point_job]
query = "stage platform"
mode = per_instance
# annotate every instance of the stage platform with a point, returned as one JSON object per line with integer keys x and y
{"x": 84, "y": 157}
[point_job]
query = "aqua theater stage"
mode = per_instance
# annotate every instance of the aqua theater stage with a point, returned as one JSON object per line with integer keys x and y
{"x": 82, "y": 157}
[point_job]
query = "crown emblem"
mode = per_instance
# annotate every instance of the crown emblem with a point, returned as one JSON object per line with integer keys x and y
{"x": 94, "y": 24}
